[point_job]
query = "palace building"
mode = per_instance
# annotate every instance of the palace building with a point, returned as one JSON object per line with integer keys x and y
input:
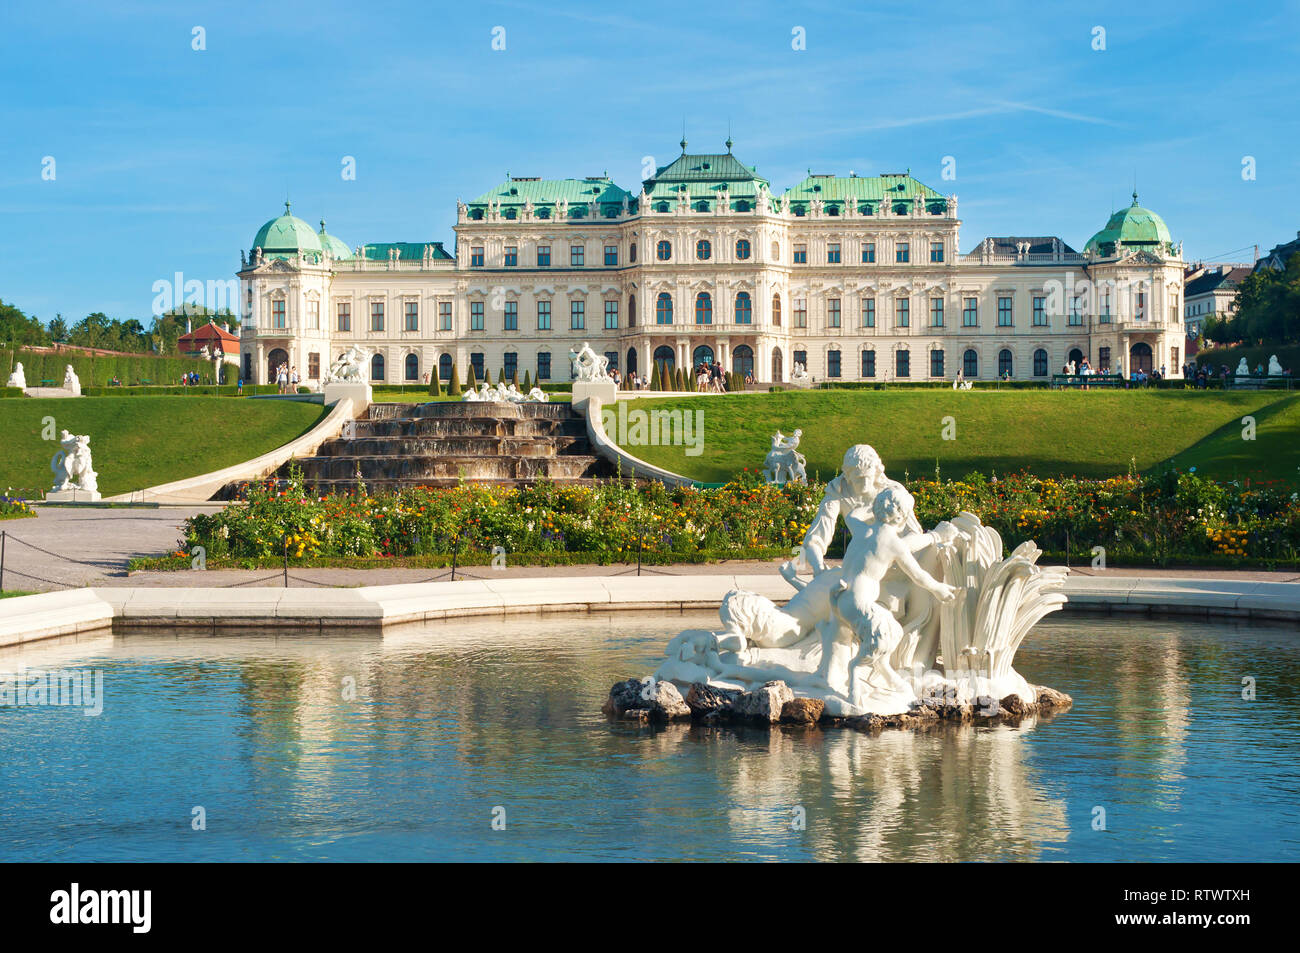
{"x": 858, "y": 278}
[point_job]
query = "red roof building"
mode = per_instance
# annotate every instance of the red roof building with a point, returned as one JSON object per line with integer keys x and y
{"x": 216, "y": 339}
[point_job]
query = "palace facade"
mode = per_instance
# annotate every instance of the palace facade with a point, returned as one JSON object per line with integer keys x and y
{"x": 856, "y": 277}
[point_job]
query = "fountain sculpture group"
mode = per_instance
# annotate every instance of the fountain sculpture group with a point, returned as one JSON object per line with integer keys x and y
{"x": 913, "y": 627}
{"x": 504, "y": 393}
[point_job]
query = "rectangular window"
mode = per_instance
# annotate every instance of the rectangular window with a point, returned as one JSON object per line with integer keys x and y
{"x": 936, "y": 257}
{"x": 833, "y": 314}
{"x": 412, "y": 315}
{"x": 902, "y": 253}
{"x": 577, "y": 315}
{"x": 376, "y": 315}
{"x": 902, "y": 364}
{"x": 476, "y": 362}
{"x": 345, "y": 316}
{"x": 970, "y": 313}
{"x": 869, "y": 258}
{"x": 903, "y": 313}
{"x": 833, "y": 364}
{"x": 444, "y": 315}
{"x": 476, "y": 315}
{"x": 544, "y": 366}
{"x": 511, "y": 319}
{"x": 936, "y": 312}
{"x": 801, "y": 357}
{"x": 1141, "y": 313}
{"x": 577, "y": 256}
{"x": 1076, "y": 312}
{"x": 543, "y": 256}
{"x": 512, "y": 255}
{"x": 476, "y": 256}
{"x": 1005, "y": 318}
{"x": 936, "y": 363}
{"x": 869, "y": 313}
{"x": 801, "y": 254}
{"x": 833, "y": 254}
{"x": 611, "y": 315}
{"x": 313, "y": 314}
{"x": 1103, "y": 359}
{"x": 868, "y": 363}
{"x": 544, "y": 317}
{"x": 278, "y": 319}
{"x": 313, "y": 366}
{"x": 1039, "y": 319}
{"x": 1104, "y": 317}
{"x": 801, "y": 312}
{"x": 511, "y": 365}
{"x": 611, "y": 254}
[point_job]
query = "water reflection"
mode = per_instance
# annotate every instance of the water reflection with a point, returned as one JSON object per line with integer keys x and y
{"x": 401, "y": 747}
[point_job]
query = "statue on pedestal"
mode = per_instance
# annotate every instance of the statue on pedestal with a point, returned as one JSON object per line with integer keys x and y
{"x": 72, "y": 468}
{"x": 18, "y": 378}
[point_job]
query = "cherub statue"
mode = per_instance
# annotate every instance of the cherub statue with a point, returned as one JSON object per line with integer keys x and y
{"x": 875, "y": 546}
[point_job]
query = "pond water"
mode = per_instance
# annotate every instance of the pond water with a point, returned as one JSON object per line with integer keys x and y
{"x": 407, "y": 748}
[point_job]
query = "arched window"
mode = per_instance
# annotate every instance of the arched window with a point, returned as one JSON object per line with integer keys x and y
{"x": 1076, "y": 357}
{"x": 509, "y": 214}
{"x": 776, "y": 311}
{"x": 631, "y": 253}
{"x": 664, "y": 309}
{"x": 377, "y": 367}
{"x": 1139, "y": 358}
{"x": 703, "y": 308}
{"x": 631, "y": 311}
{"x": 742, "y": 360}
{"x": 477, "y": 214}
{"x": 701, "y": 355}
{"x": 1040, "y": 363}
{"x": 412, "y": 367}
{"x": 444, "y": 367}
{"x": 703, "y": 250}
{"x": 970, "y": 364}
{"x": 661, "y": 207}
{"x": 664, "y": 251}
{"x": 1004, "y": 363}
{"x": 777, "y": 374}
{"x": 543, "y": 212}
{"x": 631, "y": 360}
{"x": 744, "y": 310}
{"x": 776, "y": 251}
{"x": 742, "y": 250}
{"x": 665, "y": 357}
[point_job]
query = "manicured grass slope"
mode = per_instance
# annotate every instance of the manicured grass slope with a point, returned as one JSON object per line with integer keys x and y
{"x": 1050, "y": 433}
{"x": 143, "y": 441}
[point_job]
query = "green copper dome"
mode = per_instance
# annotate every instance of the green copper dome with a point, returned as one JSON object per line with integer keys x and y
{"x": 336, "y": 247}
{"x": 1135, "y": 226}
{"x": 286, "y": 236}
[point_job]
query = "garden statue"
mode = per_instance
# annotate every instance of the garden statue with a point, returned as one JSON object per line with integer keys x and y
{"x": 504, "y": 393}
{"x": 784, "y": 464}
{"x": 72, "y": 467}
{"x": 1243, "y": 369}
{"x": 799, "y": 376}
{"x": 71, "y": 381}
{"x": 18, "y": 378}
{"x": 1274, "y": 366}
{"x": 909, "y": 619}
{"x": 350, "y": 367}
{"x": 588, "y": 365}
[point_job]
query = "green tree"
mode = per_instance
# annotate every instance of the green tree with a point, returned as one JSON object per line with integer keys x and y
{"x": 453, "y": 387}
{"x": 58, "y": 329}
{"x": 435, "y": 385}
{"x": 655, "y": 382}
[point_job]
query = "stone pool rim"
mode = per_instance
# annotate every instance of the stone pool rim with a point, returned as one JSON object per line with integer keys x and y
{"x": 376, "y": 609}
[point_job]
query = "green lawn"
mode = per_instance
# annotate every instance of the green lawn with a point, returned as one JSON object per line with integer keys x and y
{"x": 1051, "y": 433}
{"x": 143, "y": 441}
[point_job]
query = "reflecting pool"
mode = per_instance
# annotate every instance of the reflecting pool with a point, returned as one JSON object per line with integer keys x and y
{"x": 409, "y": 747}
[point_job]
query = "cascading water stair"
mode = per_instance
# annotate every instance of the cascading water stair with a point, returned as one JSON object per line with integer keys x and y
{"x": 446, "y": 442}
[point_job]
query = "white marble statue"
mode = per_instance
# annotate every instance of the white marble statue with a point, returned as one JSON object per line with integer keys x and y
{"x": 18, "y": 378}
{"x": 1274, "y": 366}
{"x": 71, "y": 381}
{"x": 72, "y": 468}
{"x": 350, "y": 367}
{"x": 909, "y": 615}
{"x": 588, "y": 365}
{"x": 799, "y": 376}
{"x": 504, "y": 393}
{"x": 1243, "y": 369}
{"x": 784, "y": 464}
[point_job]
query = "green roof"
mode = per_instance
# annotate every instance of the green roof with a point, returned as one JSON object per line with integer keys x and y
{"x": 335, "y": 246}
{"x": 406, "y": 251}
{"x": 546, "y": 193}
{"x": 702, "y": 177}
{"x": 868, "y": 191}
{"x": 1135, "y": 225}
{"x": 286, "y": 236}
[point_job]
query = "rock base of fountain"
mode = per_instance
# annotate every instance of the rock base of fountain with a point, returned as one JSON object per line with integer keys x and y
{"x": 648, "y": 700}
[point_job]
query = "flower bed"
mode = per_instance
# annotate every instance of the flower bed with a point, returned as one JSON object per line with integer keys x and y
{"x": 1167, "y": 519}
{"x": 14, "y": 507}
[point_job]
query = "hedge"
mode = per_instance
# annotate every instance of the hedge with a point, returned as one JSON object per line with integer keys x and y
{"x": 205, "y": 390}
{"x": 1288, "y": 355}
{"x": 99, "y": 370}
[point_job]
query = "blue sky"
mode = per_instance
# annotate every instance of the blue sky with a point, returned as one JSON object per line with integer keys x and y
{"x": 168, "y": 159}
